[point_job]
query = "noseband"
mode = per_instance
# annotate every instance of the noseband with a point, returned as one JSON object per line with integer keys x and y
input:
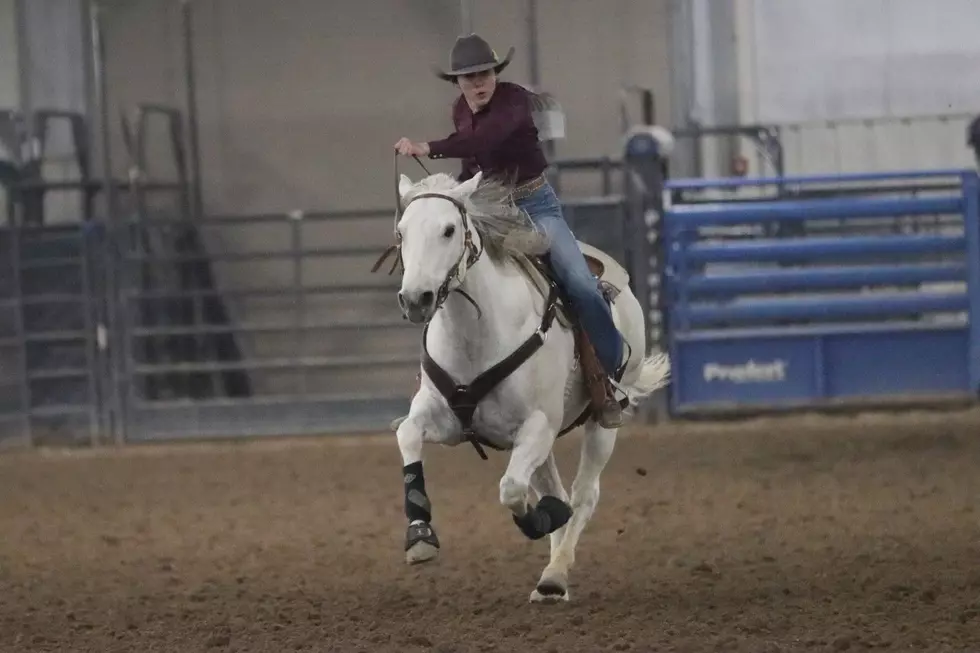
{"x": 470, "y": 252}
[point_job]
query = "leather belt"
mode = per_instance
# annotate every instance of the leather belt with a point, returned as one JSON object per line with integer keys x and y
{"x": 524, "y": 190}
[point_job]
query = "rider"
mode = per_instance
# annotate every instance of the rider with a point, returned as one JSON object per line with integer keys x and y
{"x": 495, "y": 133}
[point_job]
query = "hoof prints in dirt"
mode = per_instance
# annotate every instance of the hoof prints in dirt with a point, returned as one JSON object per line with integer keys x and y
{"x": 835, "y": 535}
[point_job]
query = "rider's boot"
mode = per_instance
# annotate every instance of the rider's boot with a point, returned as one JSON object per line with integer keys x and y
{"x": 606, "y": 409}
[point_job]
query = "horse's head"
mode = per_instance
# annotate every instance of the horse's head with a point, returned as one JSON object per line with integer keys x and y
{"x": 438, "y": 243}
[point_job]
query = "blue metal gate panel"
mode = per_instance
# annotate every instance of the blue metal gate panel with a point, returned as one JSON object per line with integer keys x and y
{"x": 866, "y": 313}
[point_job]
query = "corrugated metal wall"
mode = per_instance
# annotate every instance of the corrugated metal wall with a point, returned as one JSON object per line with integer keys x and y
{"x": 884, "y": 85}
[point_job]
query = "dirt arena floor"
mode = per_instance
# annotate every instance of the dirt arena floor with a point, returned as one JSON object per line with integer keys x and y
{"x": 801, "y": 534}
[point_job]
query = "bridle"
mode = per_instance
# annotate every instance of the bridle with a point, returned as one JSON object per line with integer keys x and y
{"x": 468, "y": 255}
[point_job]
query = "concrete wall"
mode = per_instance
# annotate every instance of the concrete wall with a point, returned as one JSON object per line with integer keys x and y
{"x": 302, "y": 100}
{"x": 54, "y": 67}
{"x": 9, "y": 58}
{"x": 55, "y": 54}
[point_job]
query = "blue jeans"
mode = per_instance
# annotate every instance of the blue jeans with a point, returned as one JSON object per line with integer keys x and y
{"x": 574, "y": 276}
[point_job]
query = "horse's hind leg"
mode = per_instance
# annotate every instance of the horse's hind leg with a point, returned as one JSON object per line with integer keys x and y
{"x": 597, "y": 448}
{"x": 546, "y": 481}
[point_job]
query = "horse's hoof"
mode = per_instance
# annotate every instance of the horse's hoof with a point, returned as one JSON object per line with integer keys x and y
{"x": 549, "y": 592}
{"x": 421, "y": 552}
{"x": 421, "y": 543}
{"x": 548, "y": 516}
{"x": 557, "y": 510}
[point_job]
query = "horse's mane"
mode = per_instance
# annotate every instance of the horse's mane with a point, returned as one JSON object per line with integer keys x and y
{"x": 506, "y": 231}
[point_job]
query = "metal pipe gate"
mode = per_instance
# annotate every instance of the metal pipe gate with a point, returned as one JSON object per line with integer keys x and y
{"x": 810, "y": 299}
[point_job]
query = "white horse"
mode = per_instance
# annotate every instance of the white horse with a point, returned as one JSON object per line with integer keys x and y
{"x": 466, "y": 251}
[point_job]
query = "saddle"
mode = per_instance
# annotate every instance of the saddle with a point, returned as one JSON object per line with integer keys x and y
{"x": 610, "y": 275}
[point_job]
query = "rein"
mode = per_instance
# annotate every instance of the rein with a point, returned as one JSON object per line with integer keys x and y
{"x": 468, "y": 247}
{"x": 396, "y": 248}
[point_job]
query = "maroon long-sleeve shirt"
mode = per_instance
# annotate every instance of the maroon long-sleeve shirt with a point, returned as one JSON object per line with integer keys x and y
{"x": 500, "y": 139}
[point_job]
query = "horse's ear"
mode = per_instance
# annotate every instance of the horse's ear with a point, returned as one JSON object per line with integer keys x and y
{"x": 404, "y": 185}
{"x": 466, "y": 188}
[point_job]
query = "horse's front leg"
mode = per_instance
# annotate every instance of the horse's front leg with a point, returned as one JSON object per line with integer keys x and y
{"x": 427, "y": 421}
{"x": 532, "y": 447}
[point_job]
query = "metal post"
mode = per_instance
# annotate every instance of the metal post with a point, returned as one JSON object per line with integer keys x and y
{"x": 25, "y": 86}
{"x": 646, "y": 98}
{"x": 90, "y": 300}
{"x": 534, "y": 60}
{"x": 26, "y": 400}
{"x": 190, "y": 86}
{"x": 465, "y": 17}
{"x": 299, "y": 299}
{"x": 644, "y": 190}
{"x": 971, "y": 216}
{"x": 100, "y": 106}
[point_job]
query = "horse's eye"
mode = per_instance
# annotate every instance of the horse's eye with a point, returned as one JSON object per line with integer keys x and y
{"x": 449, "y": 231}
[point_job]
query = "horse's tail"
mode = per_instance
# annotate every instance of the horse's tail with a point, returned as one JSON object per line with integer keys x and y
{"x": 654, "y": 374}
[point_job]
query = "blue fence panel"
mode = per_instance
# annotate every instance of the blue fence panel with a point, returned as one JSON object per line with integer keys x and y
{"x": 865, "y": 308}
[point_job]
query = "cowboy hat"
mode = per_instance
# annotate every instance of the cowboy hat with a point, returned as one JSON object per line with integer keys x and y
{"x": 471, "y": 54}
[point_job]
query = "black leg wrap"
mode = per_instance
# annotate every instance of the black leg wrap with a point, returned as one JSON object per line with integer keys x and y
{"x": 548, "y": 516}
{"x": 417, "y": 506}
{"x": 420, "y": 532}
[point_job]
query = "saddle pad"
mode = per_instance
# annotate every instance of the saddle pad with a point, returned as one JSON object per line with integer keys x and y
{"x": 605, "y": 267}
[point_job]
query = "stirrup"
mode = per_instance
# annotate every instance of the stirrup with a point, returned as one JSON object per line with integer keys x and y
{"x": 617, "y": 418}
{"x": 618, "y": 387}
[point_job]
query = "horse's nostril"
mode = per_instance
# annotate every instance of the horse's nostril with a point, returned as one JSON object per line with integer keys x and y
{"x": 401, "y": 300}
{"x": 427, "y": 298}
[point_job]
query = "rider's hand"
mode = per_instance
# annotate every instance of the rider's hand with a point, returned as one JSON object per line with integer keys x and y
{"x": 406, "y": 147}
